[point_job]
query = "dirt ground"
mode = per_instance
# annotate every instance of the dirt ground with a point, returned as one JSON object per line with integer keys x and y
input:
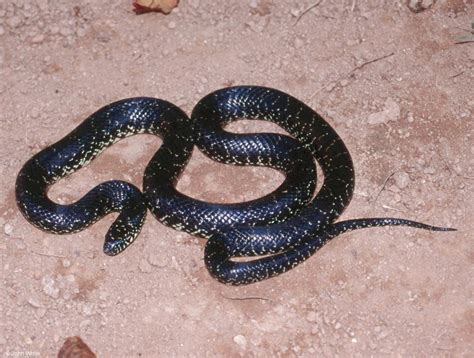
{"x": 395, "y": 85}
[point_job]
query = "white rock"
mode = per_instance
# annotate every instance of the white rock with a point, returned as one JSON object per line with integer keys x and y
{"x": 240, "y": 340}
{"x": 49, "y": 287}
{"x": 37, "y": 39}
{"x": 66, "y": 263}
{"x": 88, "y": 308}
{"x": 253, "y": 4}
{"x": 8, "y": 229}
{"x": 34, "y": 301}
{"x": 402, "y": 179}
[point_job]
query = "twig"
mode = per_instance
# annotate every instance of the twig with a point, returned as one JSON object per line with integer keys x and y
{"x": 359, "y": 67}
{"x": 464, "y": 40}
{"x": 383, "y": 186}
{"x": 246, "y": 298}
{"x": 309, "y": 8}
{"x": 354, "y": 4}
{"x": 444, "y": 348}
{"x": 457, "y": 74}
{"x": 47, "y": 255}
{"x": 331, "y": 297}
{"x": 392, "y": 208}
{"x": 371, "y": 61}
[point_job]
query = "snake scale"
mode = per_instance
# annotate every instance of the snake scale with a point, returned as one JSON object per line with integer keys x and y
{"x": 282, "y": 229}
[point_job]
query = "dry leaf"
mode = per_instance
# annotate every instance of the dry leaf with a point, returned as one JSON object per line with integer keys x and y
{"x": 164, "y": 6}
{"x": 74, "y": 347}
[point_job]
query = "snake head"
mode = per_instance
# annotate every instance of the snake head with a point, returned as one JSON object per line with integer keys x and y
{"x": 113, "y": 247}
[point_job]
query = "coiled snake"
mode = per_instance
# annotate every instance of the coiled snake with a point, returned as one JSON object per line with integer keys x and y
{"x": 285, "y": 227}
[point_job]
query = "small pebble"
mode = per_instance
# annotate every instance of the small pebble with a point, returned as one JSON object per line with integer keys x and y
{"x": 419, "y": 5}
{"x": 171, "y": 25}
{"x": 344, "y": 82}
{"x": 295, "y": 12}
{"x": 34, "y": 301}
{"x": 37, "y": 39}
{"x": 240, "y": 340}
{"x": 382, "y": 335}
{"x": 311, "y": 316}
{"x": 34, "y": 112}
{"x": 88, "y": 308}
{"x": 8, "y": 229}
{"x": 253, "y": 4}
{"x": 49, "y": 287}
{"x": 2, "y": 30}
{"x": 103, "y": 296}
{"x": 14, "y": 22}
{"x": 66, "y": 263}
{"x": 84, "y": 323}
{"x": 402, "y": 179}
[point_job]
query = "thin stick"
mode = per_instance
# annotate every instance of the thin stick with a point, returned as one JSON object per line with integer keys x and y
{"x": 392, "y": 208}
{"x": 354, "y": 4}
{"x": 371, "y": 61}
{"x": 383, "y": 186}
{"x": 309, "y": 8}
{"x": 352, "y": 71}
{"x": 464, "y": 40}
{"x": 47, "y": 255}
{"x": 246, "y": 298}
{"x": 457, "y": 74}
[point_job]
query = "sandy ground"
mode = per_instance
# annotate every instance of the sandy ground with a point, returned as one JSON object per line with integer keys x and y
{"x": 406, "y": 118}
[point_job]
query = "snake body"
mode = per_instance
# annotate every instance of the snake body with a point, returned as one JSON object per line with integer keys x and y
{"x": 286, "y": 226}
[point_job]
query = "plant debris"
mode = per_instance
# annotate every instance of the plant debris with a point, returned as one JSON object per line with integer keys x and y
{"x": 164, "y": 6}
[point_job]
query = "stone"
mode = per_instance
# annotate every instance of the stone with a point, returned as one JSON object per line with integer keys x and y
{"x": 8, "y": 229}
{"x": 402, "y": 179}
{"x": 240, "y": 340}
{"x": 49, "y": 287}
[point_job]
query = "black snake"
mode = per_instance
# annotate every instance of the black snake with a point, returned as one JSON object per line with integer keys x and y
{"x": 285, "y": 227}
